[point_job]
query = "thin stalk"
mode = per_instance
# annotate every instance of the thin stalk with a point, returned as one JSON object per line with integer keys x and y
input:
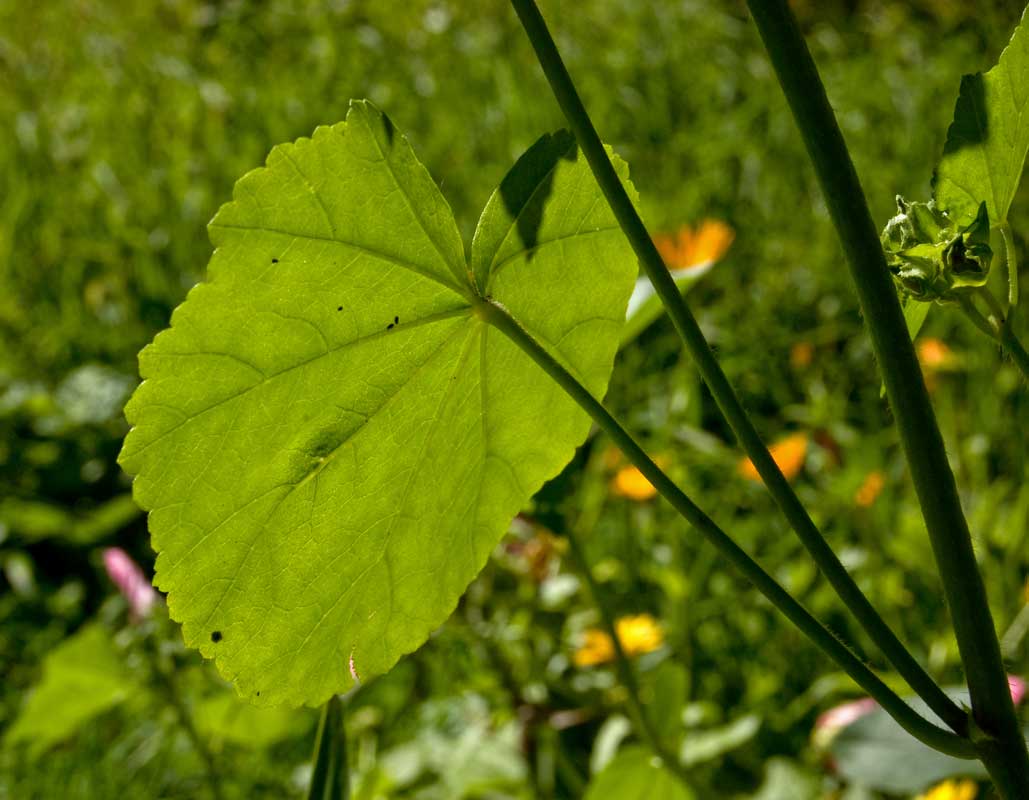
{"x": 1011, "y": 264}
{"x": 1004, "y": 333}
{"x": 976, "y": 318}
{"x": 1015, "y": 348}
{"x": 778, "y": 486}
{"x": 998, "y": 328}
{"x": 329, "y": 778}
{"x": 626, "y": 673}
{"x": 906, "y": 717}
{"x": 999, "y": 739}
{"x": 165, "y": 679}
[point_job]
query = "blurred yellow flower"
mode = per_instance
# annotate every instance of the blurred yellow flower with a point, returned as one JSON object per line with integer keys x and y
{"x": 638, "y": 634}
{"x": 789, "y": 454}
{"x": 629, "y": 482}
{"x": 870, "y": 489}
{"x": 952, "y": 790}
{"x": 689, "y": 248}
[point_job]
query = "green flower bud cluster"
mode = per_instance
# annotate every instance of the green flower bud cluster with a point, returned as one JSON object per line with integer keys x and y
{"x": 931, "y": 257}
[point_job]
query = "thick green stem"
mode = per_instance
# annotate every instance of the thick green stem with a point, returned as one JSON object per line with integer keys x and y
{"x": 1005, "y": 752}
{"x": 693, "y": 338}
{"x": 626, "y": 673}
{"x": 329, "y": 777}
{"x": 906, "y": 717}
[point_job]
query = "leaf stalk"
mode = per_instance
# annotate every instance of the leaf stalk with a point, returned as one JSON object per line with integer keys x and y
{"x": 693, "y": 338}
{"x": 919, "y": 727}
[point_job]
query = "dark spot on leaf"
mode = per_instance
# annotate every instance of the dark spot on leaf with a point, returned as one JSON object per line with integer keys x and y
{"x": 388, "y": 129}
{"x": 216, "y": 636}
{"x": 389, "y": 327}
{"x": 258, "y": 694}
{"x": 275, "y": 261}
{"x": 340, "y": 308}
{"x": 396, "y": 320}
{"x": 527, "y": 186}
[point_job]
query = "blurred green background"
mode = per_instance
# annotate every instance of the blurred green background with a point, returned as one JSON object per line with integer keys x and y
{"x": 124, "y": 128}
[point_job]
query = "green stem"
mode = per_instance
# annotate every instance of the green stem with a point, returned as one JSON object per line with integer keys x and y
{"x": 693, "y": 338}
{"x": 976, "y": 317}
{"x": 329, "y": 778}
{"x": 166, "y": 681}
{"x": 1015, "y": 348}
{"x": 998, "y": 328}
{"x": 1011, "y": 264}
{"x": 1004, "y": 753}
{"x": 906, "y": 717}
{"x": 626, "y": 673}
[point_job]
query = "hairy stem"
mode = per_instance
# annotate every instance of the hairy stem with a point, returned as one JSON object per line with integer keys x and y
{"x": 693, "y": 338}
{"x": 626, "y": 672}
{"x": 906, "y": 717}
{"x": 999, "y": 739}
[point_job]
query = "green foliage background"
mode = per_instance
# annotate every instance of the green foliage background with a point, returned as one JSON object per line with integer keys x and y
{"x": 125, "y": 127}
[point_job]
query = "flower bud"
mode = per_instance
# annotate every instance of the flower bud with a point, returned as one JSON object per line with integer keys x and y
{"x": 930, "y": 256}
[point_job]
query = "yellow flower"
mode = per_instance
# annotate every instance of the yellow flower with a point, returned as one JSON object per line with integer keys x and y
{"x": 788, "y": 453}
{"x": 689, "y": 248}
{"x": 638, "y": 634}
{"x": 952, "y": 790}
{"x": 629, "y": 482}
{"x": 870, "y": 489}
{"x": 596, "y": 648}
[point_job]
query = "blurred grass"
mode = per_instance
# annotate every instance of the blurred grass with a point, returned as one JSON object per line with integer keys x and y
{"x": 126, "y": 126}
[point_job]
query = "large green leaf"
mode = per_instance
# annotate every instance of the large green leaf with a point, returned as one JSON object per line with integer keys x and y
{"x": 636, "y": 774}
{"x": 329, "y": 439}
{"x": 83, "y": 677}
{"x": 989, "y": 137}
{"x": 877, "y": 753}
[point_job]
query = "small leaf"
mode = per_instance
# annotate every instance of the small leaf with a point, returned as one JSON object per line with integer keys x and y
{"x": 636, "y": 774}
{"x": 706, "y": 745}
{"x": 915, "y": 315}
{"x": 83, "y": 677}
{"x": 329, "y": 439}
{"x": 989, "y": 137}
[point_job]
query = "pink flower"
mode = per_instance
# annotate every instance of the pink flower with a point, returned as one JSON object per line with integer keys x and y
{"x": 839, "y": 717}
{"x": 1017, "y": 688}
{"x": 129, "y": 578}
{"x": 831, "y": 722}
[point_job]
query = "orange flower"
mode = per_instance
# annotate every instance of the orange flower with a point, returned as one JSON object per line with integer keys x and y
{"x": 934, "y": 354}
{"x": 801, "y": 355}
{"x": 789, "y": 454}
{"x": 638, "y": 634}
{"x": 870, "y": 489}
{"x": 952, "y": 790}
{"x": 629, "y": 482}
{"x": 690, "y": 248}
